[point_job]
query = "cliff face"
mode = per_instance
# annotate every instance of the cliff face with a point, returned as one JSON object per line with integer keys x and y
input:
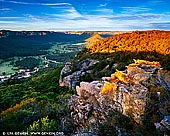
{"x": 139, "y": 93}
{"x": 71, "y": 73}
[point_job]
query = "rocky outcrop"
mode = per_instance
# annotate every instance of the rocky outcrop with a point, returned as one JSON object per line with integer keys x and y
{"x": 164, "y": 78}
{"x": 126, "y": 92}
{"x": 72, "y": 72}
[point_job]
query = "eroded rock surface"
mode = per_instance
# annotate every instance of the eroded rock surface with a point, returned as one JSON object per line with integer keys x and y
{"x": 126, "y": 92}
{"x": 71, "y": 73}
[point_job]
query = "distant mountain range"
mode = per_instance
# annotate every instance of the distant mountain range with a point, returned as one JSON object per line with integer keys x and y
{"x": 99, "y": 32}
{"x": 4, "y": 33}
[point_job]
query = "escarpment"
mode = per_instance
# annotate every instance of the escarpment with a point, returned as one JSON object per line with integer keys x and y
{"x": 139, "y": 94}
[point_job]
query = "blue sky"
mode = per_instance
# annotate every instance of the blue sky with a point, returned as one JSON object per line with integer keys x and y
{"x": 101, "y": 15}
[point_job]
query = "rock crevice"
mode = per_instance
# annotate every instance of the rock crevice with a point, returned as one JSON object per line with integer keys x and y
{"x": 125, "y": 92}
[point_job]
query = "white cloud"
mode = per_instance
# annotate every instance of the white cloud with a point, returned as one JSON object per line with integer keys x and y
{"x": 103, "y": 5}
{"x": 9, "y": 17}
{"x": 73, "y": 13}
{"x": 16, "y": 2}
{"x": 91, "y": 22}
{"x": 5, "y": 9}
{"x": 43, "y": 4}
{"x": 55, "y": 4}
{"x": 68, "y": 17}
{"x": 104, "y": 11}
{"x": 8, "y": 22}
{"x": 135, "y": 9}
{"x": 67, "y": 13}
{"x": 155, "y": 2}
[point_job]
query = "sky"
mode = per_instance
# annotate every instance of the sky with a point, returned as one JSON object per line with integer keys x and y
{"x": 84, "y": 15}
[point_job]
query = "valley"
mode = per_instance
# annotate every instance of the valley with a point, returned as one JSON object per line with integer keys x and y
{"x": 54, "y": 53}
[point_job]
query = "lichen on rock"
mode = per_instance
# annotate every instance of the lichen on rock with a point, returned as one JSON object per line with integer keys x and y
{"x": 126, "y": 92}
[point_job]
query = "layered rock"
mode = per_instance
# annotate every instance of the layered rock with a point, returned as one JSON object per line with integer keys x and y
{"x": 125, "y": 92}
{"x": 72, "y": 72}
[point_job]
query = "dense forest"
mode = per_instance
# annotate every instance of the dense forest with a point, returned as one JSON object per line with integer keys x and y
{"x": 137, "y": 41}
{"x": 27, "y": 63}
{"x": 36, "y": 100}
{"x": 123, "y": 48}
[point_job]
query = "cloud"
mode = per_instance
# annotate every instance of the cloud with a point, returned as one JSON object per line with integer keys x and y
{"x": 64, "y": 16}
{"x": 155, "y": 2}
{"x": 43, "y": 4}
{"x": 73, "y": 13}
{"x": 146, "y": 16}
{"x": 103, "y": 5}
{"x": 5, "y": 9}
{"x": 10, "y": 17}
{"x": 16, "y": 2}
{"x": 55, "y": 4}
{"x": 135, "y": 9}
{"x": 68, "y": 13}
{"x": 8, "y": 22}
{"x": 161, "y": 25}
{"x": 30, "y": 17}
{"x": 104, "y": 11}
{"x": 73, "y": 20}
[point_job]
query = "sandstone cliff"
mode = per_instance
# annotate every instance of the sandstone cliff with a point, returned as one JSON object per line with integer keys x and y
{"x": 140, "y": 94}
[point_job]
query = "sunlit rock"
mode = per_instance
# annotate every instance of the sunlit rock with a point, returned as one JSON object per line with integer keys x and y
{"x": 125, "y": 91}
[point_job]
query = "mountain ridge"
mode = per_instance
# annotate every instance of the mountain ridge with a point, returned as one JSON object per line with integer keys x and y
{"x": 136, "y": 41}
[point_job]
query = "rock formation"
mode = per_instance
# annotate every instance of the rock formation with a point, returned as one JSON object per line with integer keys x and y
{"x": 126, "y": 92}
{"x": 71, "y": 73}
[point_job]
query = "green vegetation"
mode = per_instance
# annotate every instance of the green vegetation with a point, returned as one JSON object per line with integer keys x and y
{"x": 33, "y": 45}
{"x": 24, "y": 102}
{"x": 44, "y": 124}
{"x": 122, "y": 59}
{"x": 27, "y": 51}
{"x": 114, "y": 121}
{"x": 27, "y": 63}
{"x": 109, "y": 62}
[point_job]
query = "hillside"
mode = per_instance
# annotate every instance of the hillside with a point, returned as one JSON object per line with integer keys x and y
{"x": 33, "y": 43}
{"x": 97, "y": 93}
{"x": 121, "y": 91}
{"x": 25, "y": 101}
{"x": 137, "y": 41}
{"x": 93, "y": 39}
